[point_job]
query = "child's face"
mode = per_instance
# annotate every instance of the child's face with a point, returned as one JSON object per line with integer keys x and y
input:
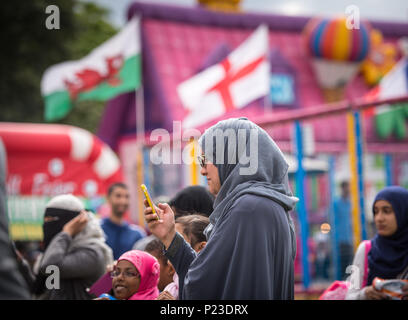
{"x": 127, "y": 281}
{"x": 198, "y": 246}
{"x": 179, "y": 228}
{"x": 166, "y": 271}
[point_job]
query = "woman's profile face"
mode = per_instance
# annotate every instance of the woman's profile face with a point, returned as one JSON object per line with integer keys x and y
{"x": 126, "y": 280}
{"x": 384, "y": 218}
{"x": 210, "y": 171}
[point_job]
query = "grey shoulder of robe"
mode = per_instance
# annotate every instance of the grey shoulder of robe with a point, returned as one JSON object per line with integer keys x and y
{"x": 248, "y": 256}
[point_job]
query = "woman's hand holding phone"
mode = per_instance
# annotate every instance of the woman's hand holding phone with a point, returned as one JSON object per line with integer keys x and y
{"x": 372, "y": 293}
{"x": 164, "y": 228}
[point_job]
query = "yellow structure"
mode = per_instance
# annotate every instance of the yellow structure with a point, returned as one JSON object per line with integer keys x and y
{"x": 355, "y": 210}
{"x": 221, "y": 5}
{"x": 193, "y": 166}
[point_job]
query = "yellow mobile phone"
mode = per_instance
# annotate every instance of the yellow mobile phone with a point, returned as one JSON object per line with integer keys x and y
{"x": 149, "y": 200}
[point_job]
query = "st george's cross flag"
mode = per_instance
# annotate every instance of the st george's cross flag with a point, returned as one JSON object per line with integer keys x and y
{"x": 109, "y": 70}
{"x": 232, "y": 84}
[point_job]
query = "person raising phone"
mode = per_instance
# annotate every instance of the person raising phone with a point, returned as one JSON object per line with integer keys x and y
{"x": 251, "y": 242}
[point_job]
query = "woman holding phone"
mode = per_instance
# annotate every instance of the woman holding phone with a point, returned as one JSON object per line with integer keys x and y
{"x": 388, "y": 256}
{"x": 251, "y": 242}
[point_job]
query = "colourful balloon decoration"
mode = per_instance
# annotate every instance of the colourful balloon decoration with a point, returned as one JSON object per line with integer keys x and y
{"x": 382, "y": 57}
{"x": 336, "y": 52}
{"x": 331, "y": 39}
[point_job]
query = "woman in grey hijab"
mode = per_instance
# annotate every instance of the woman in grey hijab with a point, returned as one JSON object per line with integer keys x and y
{"x": 251, "y": 240}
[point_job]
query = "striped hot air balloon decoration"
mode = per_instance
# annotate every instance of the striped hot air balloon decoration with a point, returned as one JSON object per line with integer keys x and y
{"x": 336, "y": 50}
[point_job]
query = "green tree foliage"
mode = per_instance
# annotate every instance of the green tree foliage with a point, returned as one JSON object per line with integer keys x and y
{"x": 29, "y": 48}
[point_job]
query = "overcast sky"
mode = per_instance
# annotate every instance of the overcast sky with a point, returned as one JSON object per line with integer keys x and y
{"x": 388, "y": 10}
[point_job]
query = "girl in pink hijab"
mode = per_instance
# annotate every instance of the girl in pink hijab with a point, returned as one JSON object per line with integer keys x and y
{"x": 136, "y": 276}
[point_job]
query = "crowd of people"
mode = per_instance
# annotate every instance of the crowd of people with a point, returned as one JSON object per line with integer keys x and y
{"x": 234, "y": 240}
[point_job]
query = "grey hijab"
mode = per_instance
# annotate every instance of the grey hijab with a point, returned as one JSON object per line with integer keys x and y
{"x": 248, "y": 162}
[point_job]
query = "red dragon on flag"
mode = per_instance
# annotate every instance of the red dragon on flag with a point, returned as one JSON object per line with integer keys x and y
{"x": 87, "y": 79}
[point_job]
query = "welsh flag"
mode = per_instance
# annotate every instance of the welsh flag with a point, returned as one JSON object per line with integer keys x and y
{"x": 389, "y": 119}
{"x": 232, "y": 84}
{"x": 109, "y": 70}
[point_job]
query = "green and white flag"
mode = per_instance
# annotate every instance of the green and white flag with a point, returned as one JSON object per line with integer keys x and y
{"x": 109, "y": 70}
{"x": 389, "y": 119}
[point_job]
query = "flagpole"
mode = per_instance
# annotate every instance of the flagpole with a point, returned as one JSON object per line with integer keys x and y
{"x": 140, "y": 125}
{"x": 268, "y": 96}
{"x": 140, "y": 137}
{"x": 139, "y": 152}
{"x": 267, "y": 103}
{"x": 140, "y": 121}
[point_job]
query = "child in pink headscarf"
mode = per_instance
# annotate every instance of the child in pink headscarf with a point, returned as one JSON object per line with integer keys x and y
{"x": 135, "y": 276}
